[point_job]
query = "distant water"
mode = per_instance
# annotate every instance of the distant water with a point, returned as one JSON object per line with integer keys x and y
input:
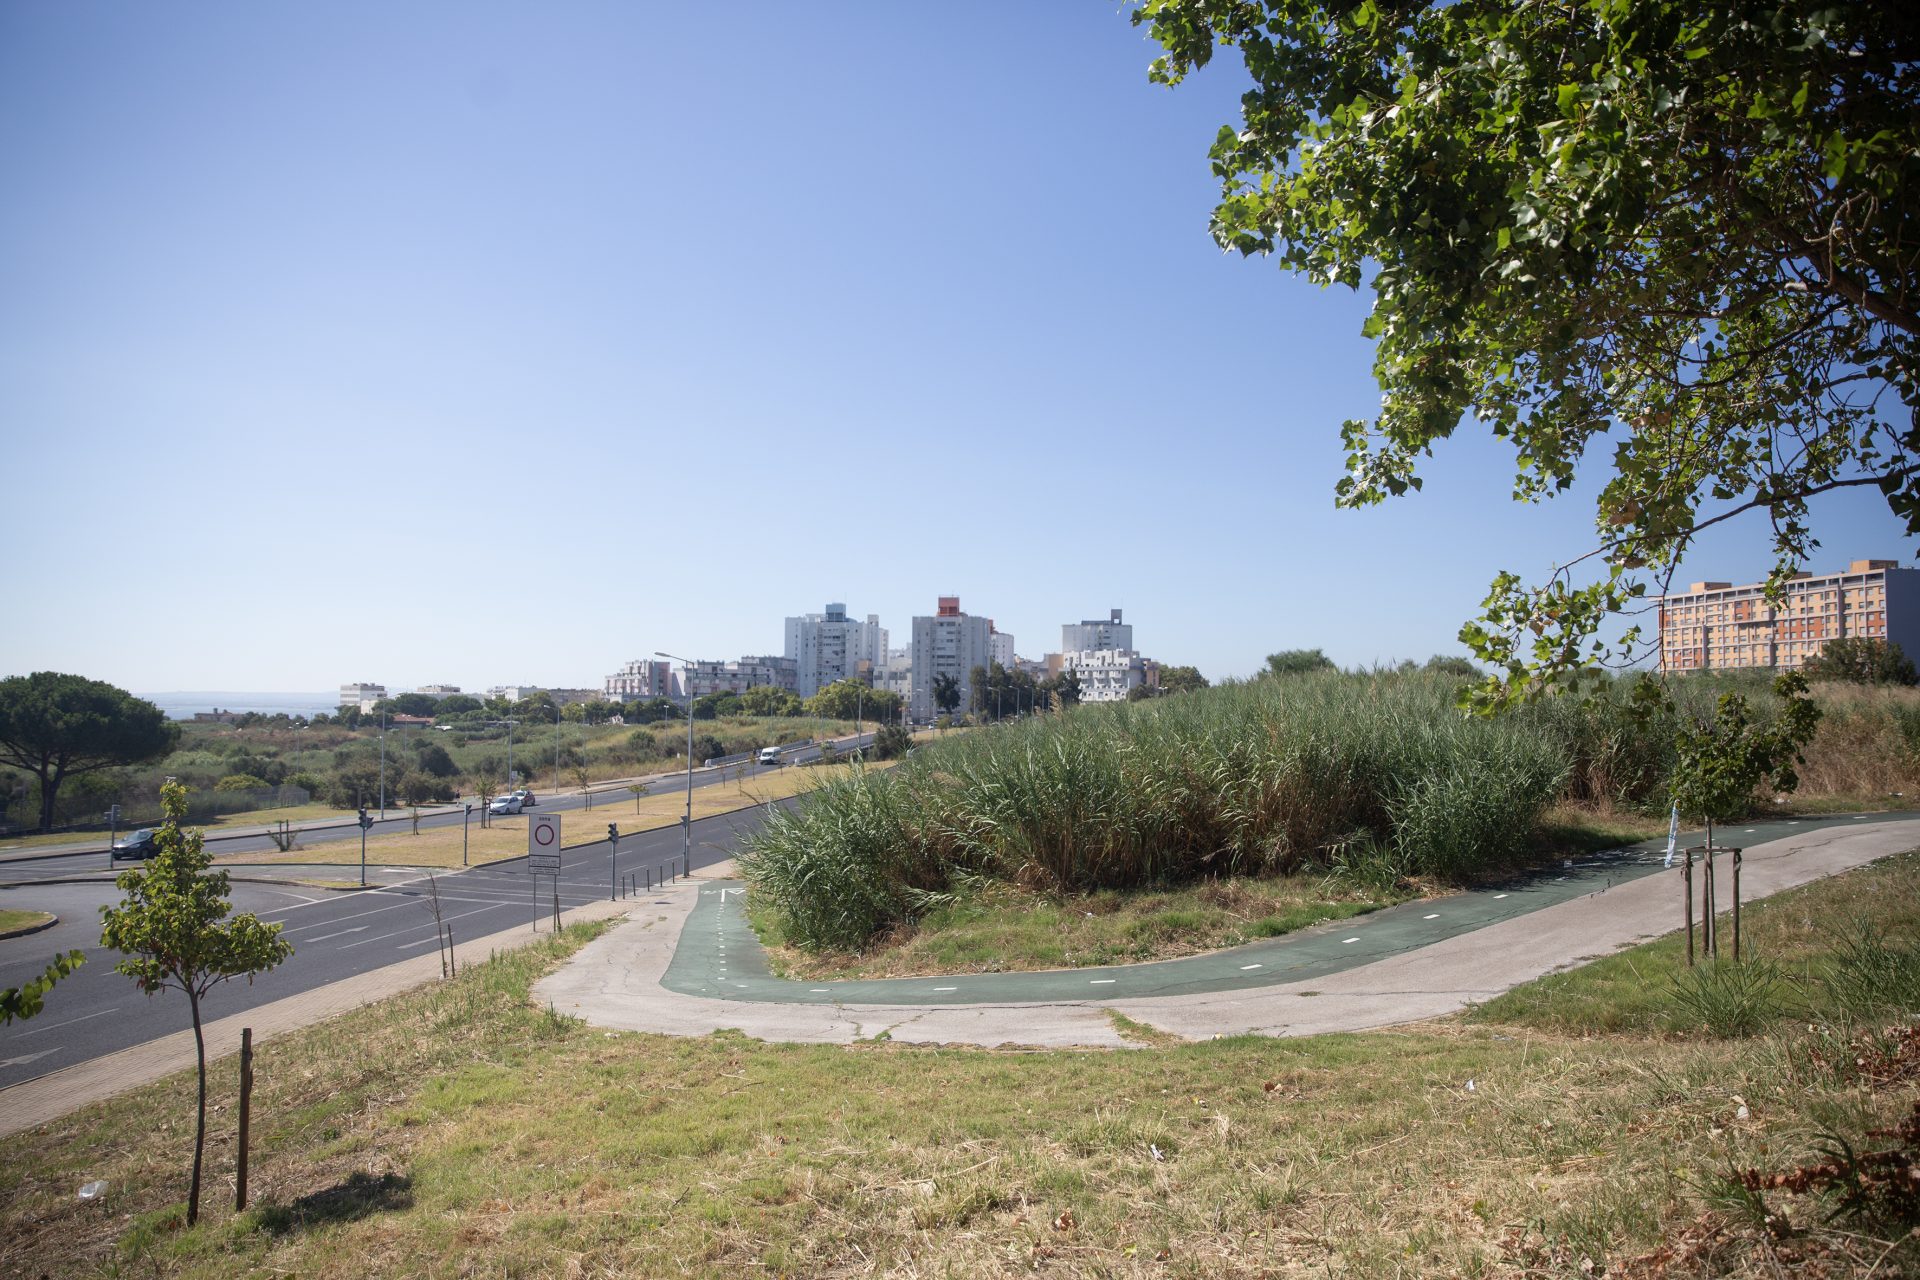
{"x": 182, "y": 705}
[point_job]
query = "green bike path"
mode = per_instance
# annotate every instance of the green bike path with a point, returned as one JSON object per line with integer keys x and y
{"x": 719, "y": 956}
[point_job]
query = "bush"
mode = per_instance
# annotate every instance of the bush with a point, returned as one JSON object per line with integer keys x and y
{"x": 1731, "y": 1000}
{"x": 241, "y": 782}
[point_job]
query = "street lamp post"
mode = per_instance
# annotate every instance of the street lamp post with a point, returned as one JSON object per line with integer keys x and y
{"x": 686, "y": 823}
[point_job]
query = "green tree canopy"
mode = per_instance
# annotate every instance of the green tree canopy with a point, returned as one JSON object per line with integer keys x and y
{"x": 946, "y": 693}
{"x": 59, "y": 726}
{"x": 1861, "y": 660}
{"x": 172, "y": 925}
{"x": 1294, "y": 662}
{"x": 844, "y": 699}
{"x": 768, "y": 700}
{"x": 1181, "y": 679}
{"x": 1676, "y": 234}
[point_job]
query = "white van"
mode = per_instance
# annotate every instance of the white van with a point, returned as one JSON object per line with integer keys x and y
{"x": 769, "y": 755}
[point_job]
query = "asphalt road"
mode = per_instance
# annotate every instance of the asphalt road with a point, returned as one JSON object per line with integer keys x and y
{"x": 335, "y": 935}
{"x": 22, "y": 869}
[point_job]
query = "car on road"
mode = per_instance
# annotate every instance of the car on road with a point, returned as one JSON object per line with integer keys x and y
{"x": 135, "y": 845}
{"x": 525, "y": 797}
{"x": 769, "y": 755}
{"x": 506, "y": 804}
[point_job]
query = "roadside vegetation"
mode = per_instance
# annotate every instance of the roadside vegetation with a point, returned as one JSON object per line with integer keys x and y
{"x": 1368, "y": 778}
{"x": 463, "y": 1122}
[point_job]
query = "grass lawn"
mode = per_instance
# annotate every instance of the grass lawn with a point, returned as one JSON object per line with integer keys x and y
{"x": 507, "y": 837}
{"x": 995, "y": 927}
{"x": 12, "y": 918}
{"x": 461, "y": 1131}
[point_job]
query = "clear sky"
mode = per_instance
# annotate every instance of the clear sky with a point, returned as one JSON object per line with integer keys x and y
{"x": 495, "y": 343}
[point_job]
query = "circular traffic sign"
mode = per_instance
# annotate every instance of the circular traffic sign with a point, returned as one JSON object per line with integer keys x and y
{"x": 543, "y": 833}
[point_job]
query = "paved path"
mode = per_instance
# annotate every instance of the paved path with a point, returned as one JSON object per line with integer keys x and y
{"x": 692, "y": 965}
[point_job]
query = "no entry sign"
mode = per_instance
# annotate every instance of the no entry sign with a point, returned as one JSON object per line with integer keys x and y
{"x": 543, "y": 845}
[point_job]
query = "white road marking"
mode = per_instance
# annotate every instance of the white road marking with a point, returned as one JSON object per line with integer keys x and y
{"x": 408, "y": 946}
{"x": 818, "y": 990}
{"x": 25, "y": 1058}
{"x": 1498, "y": 896}
{"x": 1102, "y": 982}
{"x": 69, "y": 1022}
{"x": 359, "y": 928}
{"x": 1245, "y": 967}
{"x": 1434, "y": 916}
{"x": 946, "y": 988}
{"x": 1344, "y": 941}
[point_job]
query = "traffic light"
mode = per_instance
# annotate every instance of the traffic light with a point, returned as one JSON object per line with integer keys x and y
{"x": 613, "y": 831}
{"x": 365, "y": 821}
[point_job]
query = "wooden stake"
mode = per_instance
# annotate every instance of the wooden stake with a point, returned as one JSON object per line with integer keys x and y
{"x": 246, "y": 1112}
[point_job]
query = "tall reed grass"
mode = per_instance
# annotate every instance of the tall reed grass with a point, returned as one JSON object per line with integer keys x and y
{"x": 1272, "y": 776}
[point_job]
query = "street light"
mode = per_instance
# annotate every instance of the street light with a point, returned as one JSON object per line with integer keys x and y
{"x": 686, "y": 823}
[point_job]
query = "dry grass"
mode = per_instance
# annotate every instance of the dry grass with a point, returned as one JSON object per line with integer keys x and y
{"x": 506, "y": 837}
{"x": 458, "y": 1131}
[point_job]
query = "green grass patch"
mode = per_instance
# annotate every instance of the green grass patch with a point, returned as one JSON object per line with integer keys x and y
{"x": 1846, "y": 944}
{"x": 992, "y": 927}
{"x": 12, "y": 918}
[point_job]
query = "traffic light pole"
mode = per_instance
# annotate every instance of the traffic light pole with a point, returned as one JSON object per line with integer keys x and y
{"x": 613, "y": 861}
{"x": 365, "y": 822}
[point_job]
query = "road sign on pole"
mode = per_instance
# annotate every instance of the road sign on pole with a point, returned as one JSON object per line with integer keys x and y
{"x": 543, "y": 845}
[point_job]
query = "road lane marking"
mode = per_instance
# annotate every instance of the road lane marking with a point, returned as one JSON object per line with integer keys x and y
{"x": 1344, "y": 941}
{"x": 946, "y": 988}
{"x": 69, "y": 1022}
{"x": 1434, "y": 916}
{"x": 1102, "y": 982}
{"x": 1498, "y": 896}
{"x": 359, "y": 928}
{"x": 1245, "y": 967}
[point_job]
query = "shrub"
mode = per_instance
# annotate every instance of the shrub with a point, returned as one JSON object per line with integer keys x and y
{"x": 241, "y": 782}
{"x": 1731, "y": 1000}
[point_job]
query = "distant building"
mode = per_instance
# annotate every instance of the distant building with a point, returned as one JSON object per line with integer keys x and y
{"x": 1086, "y": 637}
{"x": 830, "y": 646}
{"x": 215, "y": 716}
{"x": 562, "y": 697}
{"x": 514, "y": 692}
{"x": 949, "y": 643}
{"x": 362, "y": 696}
{"x": 1717, "y": 625}
{"x": 1107, "y": 674}
{"x": 1000, "y": 645}
{"x": 438, "y": 690}
{"x": 896, "y": 674}
{"x": 643, "y": 678}
{"x": 704, "y": 678}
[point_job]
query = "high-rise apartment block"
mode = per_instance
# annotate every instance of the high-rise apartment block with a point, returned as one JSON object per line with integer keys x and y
{"x": 1106, "y": 675}
{"x": 949, "y": 643}
{"x": 830, "y": 646}
{"x": 1000, "y": 645}
{"x": 1086, "y": 637}
{"x": 1715, "y": 625}
{"x": 643, "y": 678}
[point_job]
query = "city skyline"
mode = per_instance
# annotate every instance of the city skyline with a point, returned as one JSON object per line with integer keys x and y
{"x": 518, "y": 363}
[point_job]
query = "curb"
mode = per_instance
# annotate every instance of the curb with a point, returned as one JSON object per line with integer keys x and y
{"x": 29, "y": 929}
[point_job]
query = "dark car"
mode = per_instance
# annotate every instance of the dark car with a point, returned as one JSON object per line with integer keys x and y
{"x": 135, "y": 845}
{"x": 526, "y": 797}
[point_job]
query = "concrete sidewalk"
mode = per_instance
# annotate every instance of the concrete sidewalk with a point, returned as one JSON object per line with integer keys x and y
{"x": 51, "y": 1096}
{"x": 616, "y": 981}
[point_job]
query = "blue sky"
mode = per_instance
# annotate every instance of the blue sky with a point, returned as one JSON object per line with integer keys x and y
{"x": 501, "y": 343}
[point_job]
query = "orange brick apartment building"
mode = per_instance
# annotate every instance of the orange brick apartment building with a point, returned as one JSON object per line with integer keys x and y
{"x": 1716, "y": 624}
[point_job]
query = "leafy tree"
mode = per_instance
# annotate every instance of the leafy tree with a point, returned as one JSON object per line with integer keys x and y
{"x": 1063, "y": 689}
{"x": 890, "y": 741}
{"x": 1444, "y": 664}
{"x": 1294, "y": 662}
{"x": 769, "y": 700}
{"x": 708, "y": 748}
{"x": 1675, "y": 234}
{"x": 650, "y": 711}
{"x": 846, "y": 699}
{"x": 456, "y": 704}
{"x": 536, "y": 708}
{"x": 1142, "y": 693}
{"x": 1721, "y": 763}
{"x": 169, "y": 926}
{"x": 59, "y": 726}
{"x": 946, "y": 693}
{"x": 434, "y": 759}
{"x": 1181, "y": 679}
{"x": 349, "y": 715}
{"x": 29, "y": 997}
{"x": 485, "y": 788}
{"x": 241, "y": 782}
{"x": 1861, "y": 660}
{"x": 416, "y": 787}
{"x": 711, "y": 706}
{"x": 409, "y": 704}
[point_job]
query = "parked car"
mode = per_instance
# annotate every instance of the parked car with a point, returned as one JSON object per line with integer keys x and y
{"x": 135, "y": 845}
{"x": 506, "y": 804}
{"x": 526, "y": 798}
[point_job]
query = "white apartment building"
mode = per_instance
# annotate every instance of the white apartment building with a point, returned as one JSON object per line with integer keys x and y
{"x": 703, "y": 678}
{"x": 1106, "y": 674}
{"x": 438, "y": 690}
{"x": 948, "y": 643}
{"x": 830, "y": 646}
{"x": 643, "y": 678}
{"x": 362, "y": 696}
{"x": 896, "y": 676}
{"x": 1094, "y": 635}
{"x": 1000, "y": 645}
